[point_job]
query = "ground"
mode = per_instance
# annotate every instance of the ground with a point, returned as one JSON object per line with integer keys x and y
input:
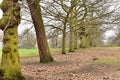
{"x": 89, "y": 64}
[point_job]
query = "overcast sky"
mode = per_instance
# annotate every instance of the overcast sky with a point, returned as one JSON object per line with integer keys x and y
{"x": 1, "y": 13}
{"x": 1, "y": 1}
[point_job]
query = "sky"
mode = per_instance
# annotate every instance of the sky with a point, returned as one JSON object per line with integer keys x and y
{"x": 1, "y": 1}
{"x": 1, "y": 13}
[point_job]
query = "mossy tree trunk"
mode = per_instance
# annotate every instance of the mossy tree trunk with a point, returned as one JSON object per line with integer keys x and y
{"x": 64, "y": 34}
{"x": 71, "y": 36}
{"x": 44, "y": 51}
{"x": 82, "y": 42}
{"x": 87, "y": 42}
{"x": 10, "y": 64}
{"x": 71, "y": 40}
{"x": 63, "y": 40}
{"x": 75, "y": 41}
{"x": 73, "y": 27}
{"x": 82, "y": 38}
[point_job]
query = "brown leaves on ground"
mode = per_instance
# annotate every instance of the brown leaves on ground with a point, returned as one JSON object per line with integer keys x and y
{"x": 74, "y": 66}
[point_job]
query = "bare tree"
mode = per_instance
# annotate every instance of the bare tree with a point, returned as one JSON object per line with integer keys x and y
{"x": 59, "y": 11}
{"x": 27, "y": 39}
{"x": 44, "y": 51}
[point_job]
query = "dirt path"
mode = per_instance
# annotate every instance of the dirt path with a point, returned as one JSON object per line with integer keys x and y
{"x": 74, "y": 66}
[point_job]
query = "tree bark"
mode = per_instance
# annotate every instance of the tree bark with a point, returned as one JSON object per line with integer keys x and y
{"x": 10, "y": 64}
{"x": 44, "y": 51}
{"x": 75, "y": 41}
{"x": 71, "y": 37}
{"x": 82, "y": 42}
{"x": 64, "y": 34}
{"x": 63, "y": 40}
{"x": 71, "y": 42}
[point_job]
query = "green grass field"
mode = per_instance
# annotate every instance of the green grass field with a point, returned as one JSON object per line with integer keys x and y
{"x": 109, "y": 61}
{"x": 31, "y": 52}
{"x": 28, "y": 52}
{"x": 34, "y": 52}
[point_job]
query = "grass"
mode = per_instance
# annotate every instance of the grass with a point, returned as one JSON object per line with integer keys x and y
{"x": 109, "y": 61}
{"x": 28, "y": 52}
{"x": 32, "y": 52}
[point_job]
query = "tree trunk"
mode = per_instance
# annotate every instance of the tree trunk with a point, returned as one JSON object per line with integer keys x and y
{"x": 73, "y": 21}
{"x": 63, "y": 40}
{"x": 71, "y": 40}
{"x": 75, "y": 41}
{"x": 82, "y": 42}
{"x": 87, "y": 42}
{"x": 82, "y": 38}
{"x": 64, "y": 35}
{"x": 44, "y": 51}
{"x": 10, "y": 64}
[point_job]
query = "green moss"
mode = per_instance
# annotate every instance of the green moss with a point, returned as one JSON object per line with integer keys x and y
{"x": 13, "y": 61}
{"x": 11, "y": 73}
{"x": 15, "y": 13}
{"x": 4, "y": 20}
{"x": 6, "y": 38}
{"x": 15, "y": 43}
{"x": 4, "y": 7}
{"x": 13, "y": 78}
{"x": 11, "y": 32}
{"x": 6, "y": 49}
{"x": 15, "y": 50}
